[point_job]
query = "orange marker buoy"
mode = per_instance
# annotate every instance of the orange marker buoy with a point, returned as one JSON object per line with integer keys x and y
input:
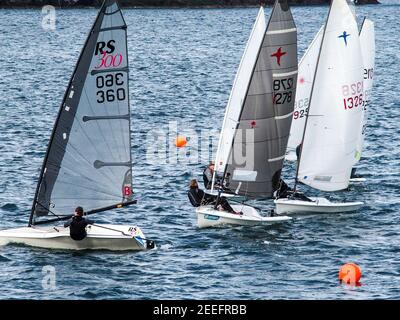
{"x": 180, "y": 141}
{"x": 350, "y": 273}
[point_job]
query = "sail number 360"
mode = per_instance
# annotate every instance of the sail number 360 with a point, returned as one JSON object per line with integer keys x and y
{"x": 107, "y": 93}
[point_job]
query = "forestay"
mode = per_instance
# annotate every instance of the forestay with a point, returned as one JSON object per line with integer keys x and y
{"x": 252, "y": 152}
{"x": 335, "y": 111}
{"x": 88, "y": 161}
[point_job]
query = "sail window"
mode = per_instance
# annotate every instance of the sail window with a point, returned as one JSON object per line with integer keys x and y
{"x": 244, "y": 175}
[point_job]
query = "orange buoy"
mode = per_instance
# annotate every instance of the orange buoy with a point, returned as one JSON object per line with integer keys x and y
{"x": 350, "y": 273}
{"x": 180, "y": 141}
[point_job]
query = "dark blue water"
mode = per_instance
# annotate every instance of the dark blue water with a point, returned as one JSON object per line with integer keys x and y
{"x": 183, "y": 64}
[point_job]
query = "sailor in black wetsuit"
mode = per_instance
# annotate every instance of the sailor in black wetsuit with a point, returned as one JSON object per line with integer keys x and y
{"x": 77, "y": 225}
{"x": 285, "y": 191}
{"x": 198, "y": 197}
{"x": 208, "y": 175}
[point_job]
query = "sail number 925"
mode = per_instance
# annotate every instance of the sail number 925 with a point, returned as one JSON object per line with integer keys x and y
{"x": 283, "y": 90}
{"x": 107, "y": 91}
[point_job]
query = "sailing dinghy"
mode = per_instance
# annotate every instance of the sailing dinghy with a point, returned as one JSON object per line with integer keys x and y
{"x": 88, "y": 159}
{"x": 257, "y": 121}
{"x": 305, "y": 79}
{"x": 331, "y": 130}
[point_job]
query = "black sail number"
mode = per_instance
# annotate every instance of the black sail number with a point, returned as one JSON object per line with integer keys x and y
{"x": 108, "y": 87}
{"x": 283, "y": 90}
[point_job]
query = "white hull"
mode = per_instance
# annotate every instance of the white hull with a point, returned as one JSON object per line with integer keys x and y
{"x": 318, "y": 205}
{"x": 207, "y": 217}
{"x": 98, "y": 238}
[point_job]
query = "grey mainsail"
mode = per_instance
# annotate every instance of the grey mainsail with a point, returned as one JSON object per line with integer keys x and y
{"x": 262, "y": 132}
{"x": 88, "y": 160}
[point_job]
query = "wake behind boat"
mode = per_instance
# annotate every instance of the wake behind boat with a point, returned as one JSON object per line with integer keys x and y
{"x": 88, "y": 162}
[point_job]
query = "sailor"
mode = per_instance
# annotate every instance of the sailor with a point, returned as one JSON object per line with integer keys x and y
{"x": 198, "y": 197}
{"x": 77, "y": 225}
{"x": 208, "y": 175}
{"x": 298, "y": 150}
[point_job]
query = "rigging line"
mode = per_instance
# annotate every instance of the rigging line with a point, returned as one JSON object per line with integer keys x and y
{"x": 122, "y": 232}
{"x": 59, "y": 217}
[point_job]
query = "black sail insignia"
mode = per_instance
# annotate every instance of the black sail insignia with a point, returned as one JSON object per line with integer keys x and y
{"x": 263, "y": 127}
{"x": 88, "y": 160}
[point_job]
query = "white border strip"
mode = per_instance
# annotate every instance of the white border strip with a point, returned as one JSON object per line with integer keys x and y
{"x": 282, "y": 31}
{"x": 284, "y": 116}
{"x": 284, "y": 74}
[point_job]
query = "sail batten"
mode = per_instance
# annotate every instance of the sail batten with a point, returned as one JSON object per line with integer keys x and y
{"x": 88, "y": 160}
{"x": 250, "y": 150}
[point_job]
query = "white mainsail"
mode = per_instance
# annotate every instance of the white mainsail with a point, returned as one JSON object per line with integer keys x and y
{"x": 367, "y": 39}
{"x": 335, "y": 112}
{"x": 304, "y": 84}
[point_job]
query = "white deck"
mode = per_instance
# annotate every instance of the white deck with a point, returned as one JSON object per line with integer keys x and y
{"x": 207, "y": 216}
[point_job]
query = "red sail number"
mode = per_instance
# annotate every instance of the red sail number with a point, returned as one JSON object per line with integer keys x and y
{"x": 109, "y": 60}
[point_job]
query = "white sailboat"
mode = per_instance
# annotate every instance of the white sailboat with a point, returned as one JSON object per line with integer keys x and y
{"x": 307, "y": 67}
{"x": 332, "y": 126}
{"x": 88, "y": 159}
{"x": 257, "y": 119}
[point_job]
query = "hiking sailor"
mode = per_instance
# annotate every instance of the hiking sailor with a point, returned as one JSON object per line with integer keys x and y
{"x": 208, "y": 175}
{"x": 77, "y": 225}
{"x": 198, "y": 197}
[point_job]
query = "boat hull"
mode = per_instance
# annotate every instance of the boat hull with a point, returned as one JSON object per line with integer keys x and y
{"x": 208, "y": 217}
{"x": 98, "y": 238}
{"x": 318, "y": 205}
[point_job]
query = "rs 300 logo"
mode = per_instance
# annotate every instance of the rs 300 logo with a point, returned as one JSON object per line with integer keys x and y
{"x": 107, "y": 57}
